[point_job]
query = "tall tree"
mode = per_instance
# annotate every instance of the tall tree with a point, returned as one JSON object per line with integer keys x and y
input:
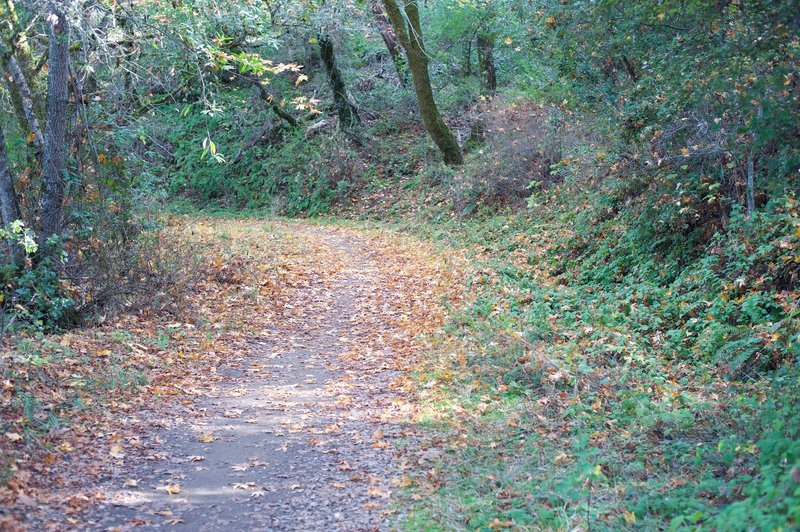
{"x": 485, "y": 46}
{"x": 51, "y": 205}
{"x": 9, "y": 206}
{"x": 27, "y": 101}
{"x": 15, "y": 63}
{"x": 348, "y": 115}
{"x": 390, "y": 40}
{"x": 407, "y": 27}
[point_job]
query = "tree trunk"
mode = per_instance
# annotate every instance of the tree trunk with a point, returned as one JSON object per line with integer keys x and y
{"x": 486, "y": 64}
{"x": 407, "y": 27}
{"x": 27, "y": 101}
{"x": 385, "y": 29}
{"x": 348, "y": 115}
{"x": 20, "y": 49}
{"x": 9, "y": 205}
{"x": 751, "y": 185}
{"x": 51, "y": 205}
{"x": 466, "y": 68}
{"x": 630, "y": 69}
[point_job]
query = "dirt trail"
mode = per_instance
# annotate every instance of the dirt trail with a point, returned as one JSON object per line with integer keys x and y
{"x": 298, "y": 435}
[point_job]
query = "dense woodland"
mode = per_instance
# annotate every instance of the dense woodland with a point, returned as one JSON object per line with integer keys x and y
{"x": 621, "y": 177}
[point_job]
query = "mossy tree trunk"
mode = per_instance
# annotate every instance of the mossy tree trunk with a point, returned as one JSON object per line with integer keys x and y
{"x": 407, "y": 27}
{"x": 16, "y": 63}
{"x": 389, "y": 38}
{"x": 488, "y": 74}
{"x": 27, "y": 101}
{"x": 9, "y": 204}
{"x": 348, "y": 115}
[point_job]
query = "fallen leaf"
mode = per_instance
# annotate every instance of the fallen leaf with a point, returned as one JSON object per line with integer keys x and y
{"x": 117, "y": 451}
{"x": 630, "y": 517}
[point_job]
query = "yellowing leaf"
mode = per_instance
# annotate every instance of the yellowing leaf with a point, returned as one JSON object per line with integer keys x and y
{"x": 117, "y": 451}
{"x": 206, "y": 438}
{"x": 378, "y": 492}
{"x": 630, "y": 517}
{"x": 173, "y": 489}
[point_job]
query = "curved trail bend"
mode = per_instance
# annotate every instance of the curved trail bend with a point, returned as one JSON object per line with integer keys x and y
{"x": 302, "y": 433}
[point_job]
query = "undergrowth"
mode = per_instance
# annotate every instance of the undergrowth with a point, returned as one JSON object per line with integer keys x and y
{"x": 601, "y": 386}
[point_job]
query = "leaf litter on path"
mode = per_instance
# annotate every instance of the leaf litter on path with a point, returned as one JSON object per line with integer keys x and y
{"x": 276, "y": 405}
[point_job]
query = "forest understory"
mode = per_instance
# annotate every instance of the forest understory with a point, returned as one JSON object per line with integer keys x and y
{"x": 474, "y": 265}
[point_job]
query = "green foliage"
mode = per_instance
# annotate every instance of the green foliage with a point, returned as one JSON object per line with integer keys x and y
{"x": 294, "y": 174}
{"x": 622, "y": 380}
{"x": 31, "y": 294}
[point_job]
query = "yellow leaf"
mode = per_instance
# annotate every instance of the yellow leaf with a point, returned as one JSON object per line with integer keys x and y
{"x": 497, "y": 523}
{"x": 630, "y": 518}
{"x": 378, "y": 492}
{"x": 206, "y": 438}
{"x": 117, "y": 451}
{"x": 173, "y": 489}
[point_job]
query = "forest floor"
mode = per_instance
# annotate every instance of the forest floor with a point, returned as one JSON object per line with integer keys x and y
{"x": 280, "y": 397}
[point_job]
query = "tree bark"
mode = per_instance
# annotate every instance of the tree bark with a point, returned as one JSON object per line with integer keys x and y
{"x": 751, "y": 185}
{"x": 390, "y": 40}
{"x": 466, "y": 68}
{"x": 407, "y": 27}
{"x": 21, "y": 50}
{"x": 51, "y": 205}
{"x": 9, "y": 204}
{"x": 486, "y": 63}
{"x": 630, "y": 69}
{"x": 348, "y": 115}
{"x": 27, "y": 101}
